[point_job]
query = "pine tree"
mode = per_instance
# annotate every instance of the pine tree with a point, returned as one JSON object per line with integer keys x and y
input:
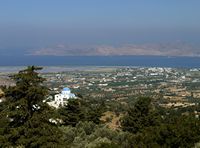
{"x": 72, "y": 112}
{"x": 78, "y": 110}
{"x": 24, "y": 115}
{"x": 140, "y": 116}
{"x": 93, "y": 112}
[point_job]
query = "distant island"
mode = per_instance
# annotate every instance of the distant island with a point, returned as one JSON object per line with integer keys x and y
{"x": 153, "y": 49}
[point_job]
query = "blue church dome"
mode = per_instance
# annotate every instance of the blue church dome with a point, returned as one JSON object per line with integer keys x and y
{"x": 66, "y": 89}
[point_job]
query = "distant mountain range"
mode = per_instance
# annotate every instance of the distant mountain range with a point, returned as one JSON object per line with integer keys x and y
{"x": 161, "y": 49}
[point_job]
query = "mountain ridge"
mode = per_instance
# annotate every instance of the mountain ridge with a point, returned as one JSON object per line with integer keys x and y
{"x": 161, "y": 49}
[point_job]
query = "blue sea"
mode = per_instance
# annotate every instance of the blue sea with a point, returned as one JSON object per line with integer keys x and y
{"x": 143, "y": 61}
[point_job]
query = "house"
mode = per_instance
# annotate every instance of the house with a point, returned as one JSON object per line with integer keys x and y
{"x": 61, "y": 99}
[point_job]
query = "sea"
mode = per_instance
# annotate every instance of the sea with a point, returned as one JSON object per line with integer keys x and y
{"x": 139, "y": 61}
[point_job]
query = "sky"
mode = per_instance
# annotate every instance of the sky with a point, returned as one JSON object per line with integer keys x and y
{"x": 28, "y": 25}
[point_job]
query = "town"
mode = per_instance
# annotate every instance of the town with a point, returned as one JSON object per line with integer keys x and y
{"x": 170, "y": 87}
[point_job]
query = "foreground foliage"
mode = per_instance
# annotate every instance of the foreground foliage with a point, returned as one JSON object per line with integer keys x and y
{"x": 140, "y": 116}
{"x": 153, "y": 128}
{"x": 80, "y": 109}
{"x": 24, "y": 116}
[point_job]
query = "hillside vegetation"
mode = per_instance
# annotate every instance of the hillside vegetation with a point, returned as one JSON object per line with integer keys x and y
{"x": 28, "y": 121}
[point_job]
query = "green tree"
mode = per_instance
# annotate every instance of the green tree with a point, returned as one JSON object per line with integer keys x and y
{"x": 182, "y": 131}
{"x": 24, "y": 115}
{"x": 140, "y": 116}
{"x": 93, "y": 110}
{"x": 71, "y": 113}
{"x": 80, "y": 110}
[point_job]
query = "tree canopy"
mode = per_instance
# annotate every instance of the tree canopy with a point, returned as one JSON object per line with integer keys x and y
{"x": 140, "y": 116}
{"x": 24, "y": 115}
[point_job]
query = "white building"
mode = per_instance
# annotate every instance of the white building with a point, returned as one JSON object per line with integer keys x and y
{"x": 61, "y": 99}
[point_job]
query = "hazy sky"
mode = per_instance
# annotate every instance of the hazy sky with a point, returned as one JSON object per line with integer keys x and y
{"x": 31, "y": 24}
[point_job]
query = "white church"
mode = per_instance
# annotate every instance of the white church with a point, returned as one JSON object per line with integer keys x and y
{"x": 61, "y": 99}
